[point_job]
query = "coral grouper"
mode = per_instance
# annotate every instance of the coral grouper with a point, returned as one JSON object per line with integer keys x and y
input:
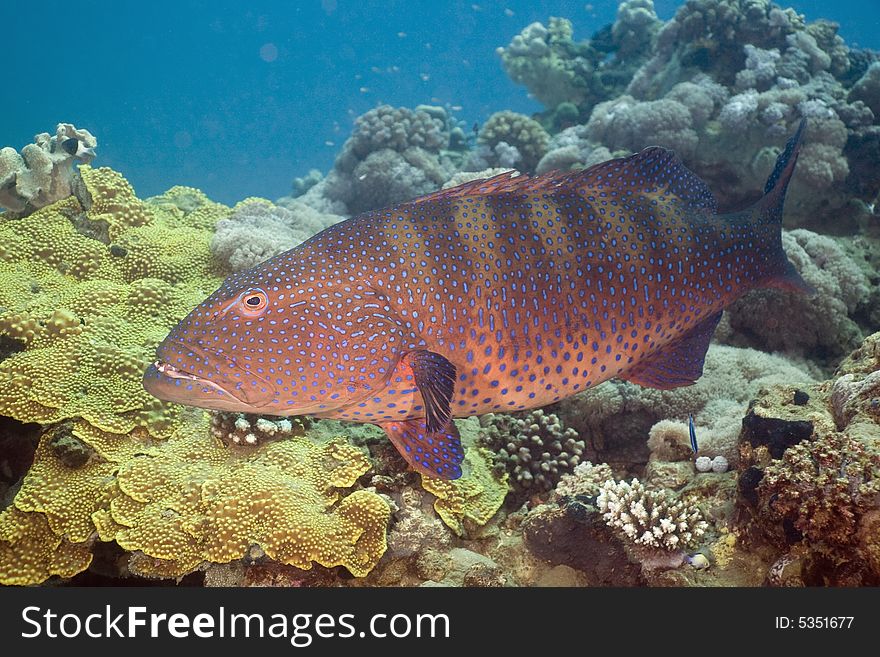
{"x": 497, "y": 295}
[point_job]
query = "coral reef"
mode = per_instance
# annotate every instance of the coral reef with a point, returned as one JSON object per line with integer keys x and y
{"x": 88, "y": 312}
{"x": 509, "y": 140}
{"x": 721, "y": 83}
{"x": 783, "y": 488}
{"x": 393, "y": 155}
{"x": 825, "y": 325}
{"x": 809, "y": 475}
{"x": 649, "y": 518}
{"x": 257, "y": 230}
{"x": 43, "y": 173}
{"x": 614, "y": 418}
{"x": 535, "y": 449}
{"x": 570, "y": 77}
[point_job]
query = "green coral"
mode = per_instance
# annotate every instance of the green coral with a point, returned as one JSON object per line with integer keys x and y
{"x": 179, "y": 502}
{"x": 471, "y": 501}
{"x": 89, "y": 288}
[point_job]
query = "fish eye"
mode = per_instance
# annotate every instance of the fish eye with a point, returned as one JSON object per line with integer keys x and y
{"x": 253, "y": 302}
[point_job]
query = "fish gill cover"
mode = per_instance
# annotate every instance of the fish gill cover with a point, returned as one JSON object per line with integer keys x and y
{"x": 100, "y": 480}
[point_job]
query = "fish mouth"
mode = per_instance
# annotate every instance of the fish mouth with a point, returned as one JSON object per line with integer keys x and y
{"x": 231, "y": 388}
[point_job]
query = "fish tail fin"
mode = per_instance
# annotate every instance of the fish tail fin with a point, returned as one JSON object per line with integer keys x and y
{"x": 767, "y": 216}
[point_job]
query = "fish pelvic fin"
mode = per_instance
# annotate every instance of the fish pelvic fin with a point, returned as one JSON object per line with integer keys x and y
{"x": 766, "y": 217}
{"x": 432, "y": 453}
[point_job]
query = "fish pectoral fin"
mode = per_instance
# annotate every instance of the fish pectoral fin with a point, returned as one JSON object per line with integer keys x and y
{"x": 678, "y": 364}
{"x": 434, "y": 376}
{"x": 434, "y": 454}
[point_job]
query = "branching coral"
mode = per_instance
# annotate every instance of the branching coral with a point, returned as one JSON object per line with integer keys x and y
{"x": 650, "y": 518}
{"x": 536, "y": 449}
{"x": 43, "y": 173}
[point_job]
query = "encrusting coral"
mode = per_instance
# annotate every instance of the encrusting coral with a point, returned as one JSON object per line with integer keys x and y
{"x": 809, "y": 473}
{"x": 179, "y": 502}
{"x": 467, "y": 503}
{"x": 823, "y": 488}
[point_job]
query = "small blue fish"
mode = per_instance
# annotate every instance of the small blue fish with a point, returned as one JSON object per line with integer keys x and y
{"x": 692, "y": 430}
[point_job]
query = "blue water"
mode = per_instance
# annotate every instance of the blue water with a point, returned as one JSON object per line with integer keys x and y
{"x": 238, "y": 98}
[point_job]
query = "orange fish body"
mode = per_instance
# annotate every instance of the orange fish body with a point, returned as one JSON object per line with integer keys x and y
{"x": 495, "y": 296}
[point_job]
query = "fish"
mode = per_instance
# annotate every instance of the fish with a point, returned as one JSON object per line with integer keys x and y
{"x": 498, "y": 295}
{"x": 692, "y": 432}
{"x": 78, "y": 150}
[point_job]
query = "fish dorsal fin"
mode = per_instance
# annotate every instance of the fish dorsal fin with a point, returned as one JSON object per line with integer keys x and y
{"x": 503, "y": 183}
{"x": 655, "y": 175}
{"x": 678, "y": 364}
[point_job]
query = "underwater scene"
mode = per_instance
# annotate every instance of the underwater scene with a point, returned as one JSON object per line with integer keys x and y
{"x": 503, "y": 294}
